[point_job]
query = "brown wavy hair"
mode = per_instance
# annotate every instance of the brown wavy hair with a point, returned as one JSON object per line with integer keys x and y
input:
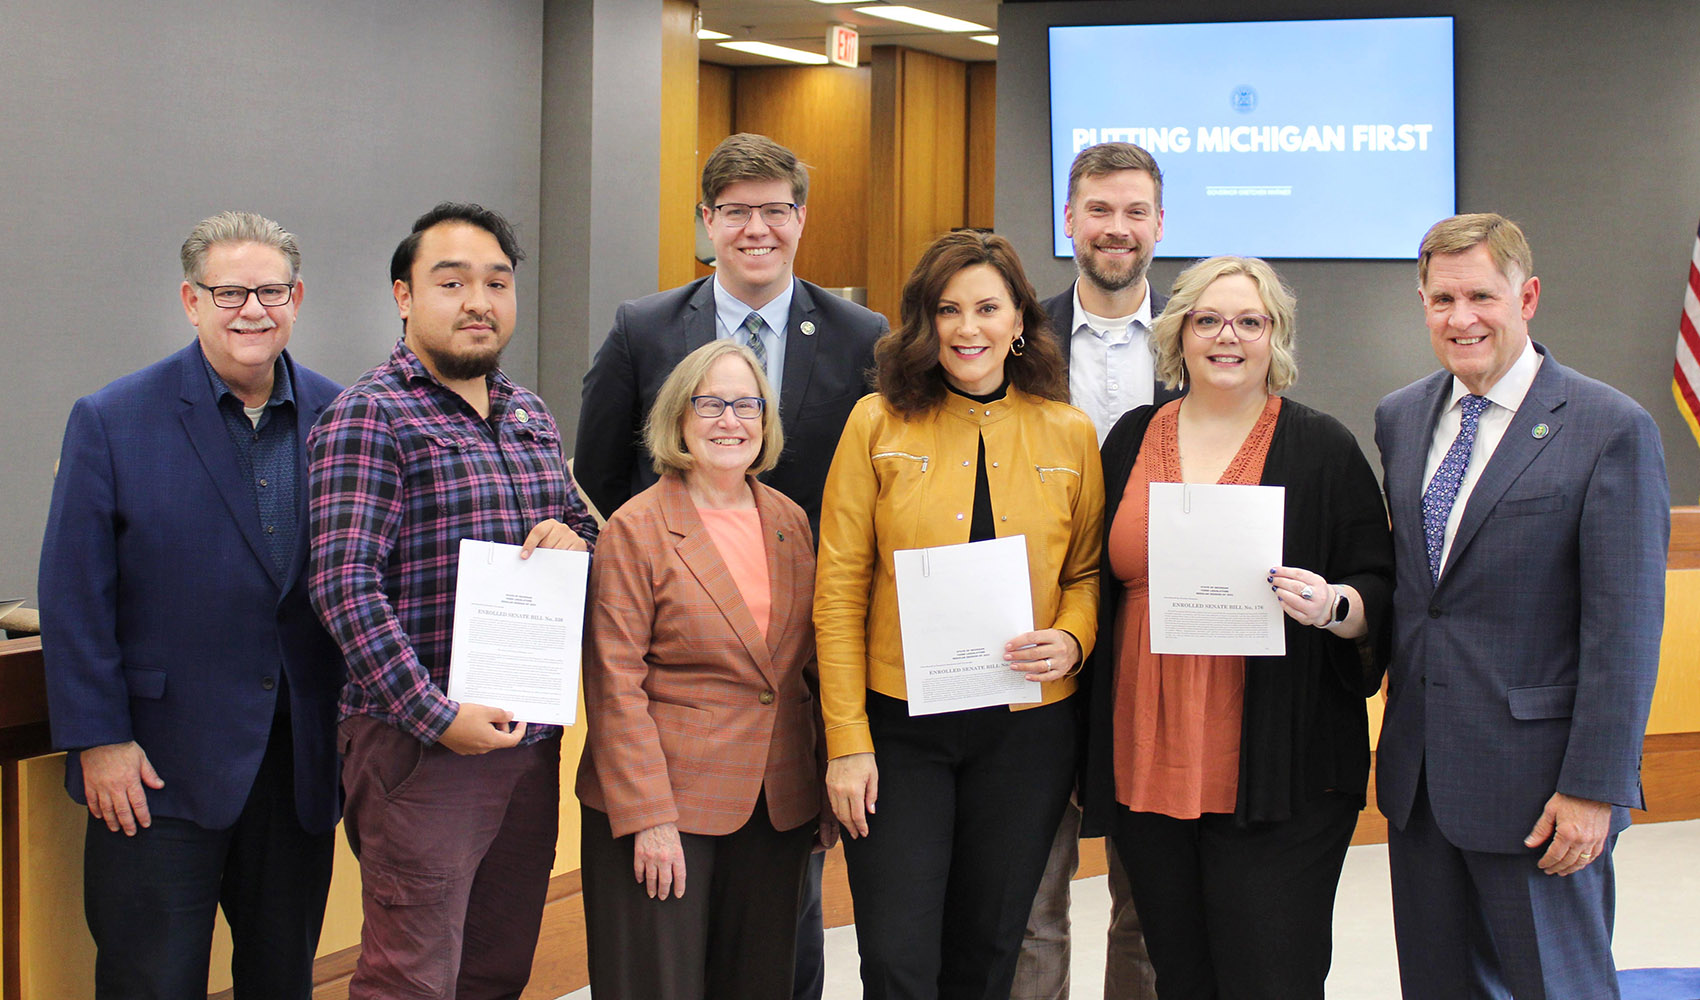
{"x": 906, "y": 360}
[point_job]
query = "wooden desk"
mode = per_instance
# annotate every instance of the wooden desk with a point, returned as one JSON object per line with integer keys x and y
{"x": 23, "y": 733}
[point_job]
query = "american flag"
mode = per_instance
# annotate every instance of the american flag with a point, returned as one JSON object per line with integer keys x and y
{"x": 1685, "y": 382}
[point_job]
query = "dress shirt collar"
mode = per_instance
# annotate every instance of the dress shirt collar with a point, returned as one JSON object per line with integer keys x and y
{"x": 282, "y": 390}
{"x": 1101, "y": 326}
{"x": 732, "y": 313}
{"x": 1509, "y": 391}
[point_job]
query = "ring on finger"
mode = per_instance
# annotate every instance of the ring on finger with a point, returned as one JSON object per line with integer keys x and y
{"x": 1586, "y": 856}
{"x": 1306, "y": 592}
{"x": 1047, "y": 663}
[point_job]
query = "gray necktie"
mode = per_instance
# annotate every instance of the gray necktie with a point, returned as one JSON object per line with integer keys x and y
{"x": 753, "y": 325}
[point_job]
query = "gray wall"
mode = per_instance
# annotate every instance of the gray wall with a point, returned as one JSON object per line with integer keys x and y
{"x": 1580, "y": 120}
{"x": 126, "y": 123}
{"x": 601, "y": 167}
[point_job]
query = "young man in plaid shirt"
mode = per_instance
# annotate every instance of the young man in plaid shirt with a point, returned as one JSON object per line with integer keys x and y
{"x": 451, "y": 807}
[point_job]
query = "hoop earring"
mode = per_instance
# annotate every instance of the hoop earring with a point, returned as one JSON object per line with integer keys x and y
{"x": 1018, "y": 346}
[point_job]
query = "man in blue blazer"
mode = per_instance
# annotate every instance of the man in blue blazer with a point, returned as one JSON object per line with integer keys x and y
{"x": 817, "y": 348}
{"x": 1531, "y": 517}
{"x": 186, "y": 672}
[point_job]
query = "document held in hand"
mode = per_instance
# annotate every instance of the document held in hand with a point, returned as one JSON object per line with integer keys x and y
{"x": 1211, "y": 549}
{"x": 517, "y": 628}
{"x": 957, "y": 605}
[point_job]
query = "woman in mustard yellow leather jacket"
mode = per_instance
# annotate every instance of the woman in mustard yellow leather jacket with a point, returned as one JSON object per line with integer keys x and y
{"x": 950, "y": 816}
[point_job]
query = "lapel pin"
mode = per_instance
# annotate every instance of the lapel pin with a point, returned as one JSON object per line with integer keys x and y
{"x": 521, "y": 415}
{"x": 1539, "y": 431}
{"x": 808, "y": 328}
{"x": 781, "y": 535}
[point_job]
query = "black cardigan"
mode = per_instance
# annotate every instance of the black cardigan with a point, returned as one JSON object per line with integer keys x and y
{"x": 1304, "y": 730}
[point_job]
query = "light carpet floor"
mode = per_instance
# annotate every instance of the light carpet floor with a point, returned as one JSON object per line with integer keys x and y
{"x": 1658, "y": 895}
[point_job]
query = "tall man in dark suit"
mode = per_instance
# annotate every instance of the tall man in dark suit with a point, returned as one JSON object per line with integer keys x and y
{"x": 1114, "y": 215}
{"x": 816, "y": 346}
{"x": 1531, "y": 517}
{"x": 817, "y": 349}
{"x": 186, "y": 673}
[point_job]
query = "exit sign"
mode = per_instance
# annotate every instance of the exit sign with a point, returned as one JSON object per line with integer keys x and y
{"x": 841, "y": 45}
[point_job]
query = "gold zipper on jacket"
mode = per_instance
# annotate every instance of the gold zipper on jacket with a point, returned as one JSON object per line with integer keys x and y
{"x": 1055, "y": 468}
{"x": 903, "y": 454}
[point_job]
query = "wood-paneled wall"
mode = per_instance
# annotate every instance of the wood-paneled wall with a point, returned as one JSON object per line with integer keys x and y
{"x": 891, "y": 164}
{"x": 676, "y": 240}
{"x": 716, "y": 87}
{"x": 982, "y": 142}
{"x": 821, "y": 114}
{"x": 918, "y": 178}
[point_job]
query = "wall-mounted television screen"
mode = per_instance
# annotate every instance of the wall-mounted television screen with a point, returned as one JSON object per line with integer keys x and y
{"x": 1328, "y": 139}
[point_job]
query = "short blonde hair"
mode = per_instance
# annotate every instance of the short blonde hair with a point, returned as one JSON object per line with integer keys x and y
{"x": 1278, "y": 301}
{"x": 661, "y": 432}
{"x": 1506, "y": 245}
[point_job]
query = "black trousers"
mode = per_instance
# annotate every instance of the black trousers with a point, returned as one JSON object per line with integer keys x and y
{"x": 150, "y": 900}
{"x": 810, "y": 981}
{"x": 1238, "y": 912}
{"x": 731, "y": 936}
{"x": 968, "y": 805}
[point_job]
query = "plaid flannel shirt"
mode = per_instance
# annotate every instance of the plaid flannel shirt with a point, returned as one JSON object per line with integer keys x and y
{"x": 400, "y": 470}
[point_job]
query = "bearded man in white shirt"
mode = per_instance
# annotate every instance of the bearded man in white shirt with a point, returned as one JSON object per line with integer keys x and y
{"x": 1114, "y": 215}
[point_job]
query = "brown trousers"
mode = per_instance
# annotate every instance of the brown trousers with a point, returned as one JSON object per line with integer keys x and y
{"x": 455, "y": 854}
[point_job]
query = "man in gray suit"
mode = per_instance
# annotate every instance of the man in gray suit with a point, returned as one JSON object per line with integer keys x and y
{"x": 1531, "y": 516}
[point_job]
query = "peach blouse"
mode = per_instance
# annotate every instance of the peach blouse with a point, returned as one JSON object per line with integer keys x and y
{"x": 1177, "y": 717}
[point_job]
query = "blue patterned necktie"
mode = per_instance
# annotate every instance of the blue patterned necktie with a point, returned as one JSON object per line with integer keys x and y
{"x": 753, "y": 326}
{"x": 1443, "y": 488}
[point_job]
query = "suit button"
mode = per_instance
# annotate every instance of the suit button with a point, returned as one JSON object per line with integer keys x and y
{"x": 1434, "y": 612}
{"x": 767, "y": 697}
{"x": 267, "y": 683}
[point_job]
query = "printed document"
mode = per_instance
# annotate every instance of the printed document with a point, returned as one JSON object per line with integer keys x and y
{"x": 957, "y": 605}
{"x": 1211, "y": 550}
{"x": 517, "y": 628}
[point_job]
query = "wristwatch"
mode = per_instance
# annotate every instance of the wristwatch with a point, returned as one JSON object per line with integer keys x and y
{"x": 1342, "y": 608}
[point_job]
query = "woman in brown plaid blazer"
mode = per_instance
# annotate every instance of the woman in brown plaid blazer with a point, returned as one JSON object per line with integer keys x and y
{"x": 701, "y": 770}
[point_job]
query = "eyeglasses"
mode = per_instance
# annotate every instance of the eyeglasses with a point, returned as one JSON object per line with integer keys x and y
{"x": 774, "y": 213}
{"x": 236, "y": 296}
{"x": 1249, "y": 327}
{"x": 744, "y": 407}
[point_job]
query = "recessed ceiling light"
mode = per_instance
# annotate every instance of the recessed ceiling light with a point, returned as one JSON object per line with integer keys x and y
{"x": 776, "y": 52}
{"x": 710, "y": 36}
{"x": 921, "y": 18}
{"x": 988, "y": 39}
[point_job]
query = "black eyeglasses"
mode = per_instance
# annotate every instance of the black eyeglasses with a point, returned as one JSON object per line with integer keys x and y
{"x": 236, "y": 296}
{"x": 1249, "y": 327}
{"x": 744, "y": 407}
{"x": 774, "y": 213}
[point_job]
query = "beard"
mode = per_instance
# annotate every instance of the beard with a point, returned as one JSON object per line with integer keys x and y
{"x": 467, "y": 362}
{"x": 455, "y": 367}
{"x": 1097, "y": 270}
